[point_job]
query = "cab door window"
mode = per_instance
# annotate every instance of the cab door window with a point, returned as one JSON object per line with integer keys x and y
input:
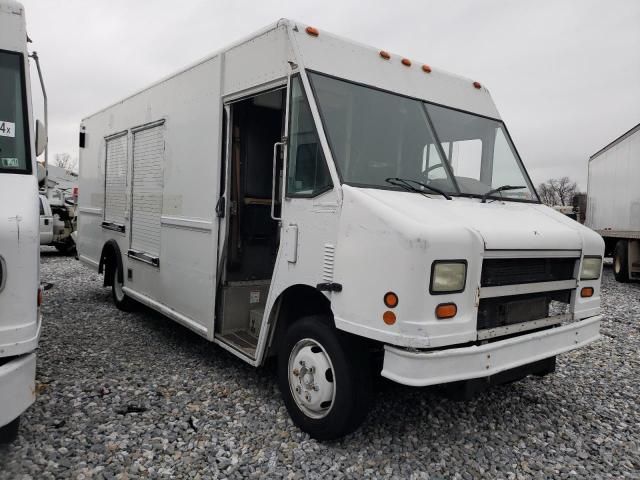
{"x": 307, "y": 172}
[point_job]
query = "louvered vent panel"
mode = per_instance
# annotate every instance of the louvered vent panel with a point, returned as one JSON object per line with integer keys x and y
{"x": 115, "y": 180}
{"x": 148, "y": 153}
{"x": 327, "y": 265}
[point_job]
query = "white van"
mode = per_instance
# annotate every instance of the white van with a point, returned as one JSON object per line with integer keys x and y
{"x": 351, "y": 211}
{"x": 20, "y": 293}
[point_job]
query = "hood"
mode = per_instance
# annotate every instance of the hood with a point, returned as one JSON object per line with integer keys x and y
{"x": 502, "y": 225}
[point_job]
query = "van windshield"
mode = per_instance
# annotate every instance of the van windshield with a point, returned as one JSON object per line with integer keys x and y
{"x": 13, "y": 136}
{"x": 375, "y": 135}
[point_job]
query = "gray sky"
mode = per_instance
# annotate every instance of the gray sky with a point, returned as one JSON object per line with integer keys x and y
{"x": 565, "y": 74}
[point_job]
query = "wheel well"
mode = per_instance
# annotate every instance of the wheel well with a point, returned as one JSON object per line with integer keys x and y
{"x": 109, "y": 259}
{"x": 294, "y": 303}
{"x": 610, "y": 246}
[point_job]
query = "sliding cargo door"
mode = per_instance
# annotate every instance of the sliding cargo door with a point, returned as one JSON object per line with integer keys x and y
{"x": 115, "y": 203}
{"x": 146, "y": 198}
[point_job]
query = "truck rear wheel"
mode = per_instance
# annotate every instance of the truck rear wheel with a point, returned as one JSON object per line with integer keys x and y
{"x": 324, "y": 378}
{"x": 121, "y": 299}
{"x": 9, "y": 432}
{"x": 621, "y": 261}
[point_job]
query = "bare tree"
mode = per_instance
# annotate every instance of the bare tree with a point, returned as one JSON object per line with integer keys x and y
{"x": 66, "y": 161}
{"x": 557, "y": 191}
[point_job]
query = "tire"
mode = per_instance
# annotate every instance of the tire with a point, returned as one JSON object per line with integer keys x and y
{"x": 67, "y": 248}
{"x": 621, "y": 261}
{"x": 120, "y": 299}
{"x": 342, "y": 395}
{"x": 9, "y": 432}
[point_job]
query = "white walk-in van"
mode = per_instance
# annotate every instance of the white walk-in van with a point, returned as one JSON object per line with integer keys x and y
{"x": 20, "y": 293}
{"x": 350, "y": 211}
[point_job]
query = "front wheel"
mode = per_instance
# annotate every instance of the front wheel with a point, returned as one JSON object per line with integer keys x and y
{"x": 324, "y": 378}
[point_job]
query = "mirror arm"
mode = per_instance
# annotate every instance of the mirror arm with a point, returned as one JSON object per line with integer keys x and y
{"x": 35, "y": 57}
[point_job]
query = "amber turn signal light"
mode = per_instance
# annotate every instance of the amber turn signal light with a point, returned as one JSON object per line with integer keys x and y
{"x": 586, "y": 292}
{"x": 446, "y": 310}
{"x": 312, "y": 31}
{"x": 389, "y": 317}
{"x": 391, "y": 300}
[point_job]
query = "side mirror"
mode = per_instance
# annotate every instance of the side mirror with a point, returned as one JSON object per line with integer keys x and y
{"x": 41, "y": 138}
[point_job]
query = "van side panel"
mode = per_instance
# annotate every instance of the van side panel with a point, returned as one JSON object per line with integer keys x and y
{"x": 189, "y": 104}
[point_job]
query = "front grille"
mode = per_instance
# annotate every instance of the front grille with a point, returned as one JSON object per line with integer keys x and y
{"x": 509, "y": 310}
{"x": 513, "y": 271}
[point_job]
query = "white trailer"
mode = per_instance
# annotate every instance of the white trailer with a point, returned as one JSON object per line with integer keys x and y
{"x": 20, "y": 293}
{"x": 351, "y": 211}
{"x": 613, "y": 202}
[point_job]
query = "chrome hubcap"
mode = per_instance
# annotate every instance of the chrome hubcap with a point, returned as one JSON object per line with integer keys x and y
{"x": 311, "y": 378}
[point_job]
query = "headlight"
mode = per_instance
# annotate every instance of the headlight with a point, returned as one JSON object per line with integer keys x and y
{"x": 591, "y": 267}
{"x": 448, "y": 276}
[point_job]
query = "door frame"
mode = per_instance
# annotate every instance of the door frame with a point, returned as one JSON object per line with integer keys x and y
{"x": 226, "y": 170}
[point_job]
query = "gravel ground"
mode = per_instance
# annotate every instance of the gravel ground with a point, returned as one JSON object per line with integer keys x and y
{"x": 126, "y": 395}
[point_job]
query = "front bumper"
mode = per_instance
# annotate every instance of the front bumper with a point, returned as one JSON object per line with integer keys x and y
{"x": 419, "y": 369}
{"x": 17, "y": 387}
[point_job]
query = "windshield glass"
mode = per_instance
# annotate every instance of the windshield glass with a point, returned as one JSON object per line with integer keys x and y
{"x": 480, "y": 154}
{"x": 375, "y": 135}
{"x": 13, "y": 138}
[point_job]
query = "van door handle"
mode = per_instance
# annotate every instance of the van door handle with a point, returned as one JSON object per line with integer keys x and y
{"x": 273, "y": 181}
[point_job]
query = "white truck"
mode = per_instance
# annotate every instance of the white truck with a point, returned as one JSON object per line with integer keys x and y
{"x": 613, "y": 202}
{"x": 58, "y": 220}
{"x": 348, "y": 210}
{"x": 20, "y": 293}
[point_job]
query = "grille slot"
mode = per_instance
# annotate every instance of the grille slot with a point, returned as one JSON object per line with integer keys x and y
{"x": 328, "y": 261}
{"x": 509, "y": 310}
{"x": 513, "y": 271}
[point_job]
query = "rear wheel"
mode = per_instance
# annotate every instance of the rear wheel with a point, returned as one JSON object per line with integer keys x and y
{"x": 121, "y": 299}
{"x": 9, "y": 432}
{"x": 621, "y": 261}
{"x": 324, "y": 378}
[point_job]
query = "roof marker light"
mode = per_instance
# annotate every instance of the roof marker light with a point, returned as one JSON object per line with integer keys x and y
{"x": 426, "y": 68}
{"x": 406, "y": 62}
{"x": 477, "y": 84}
{"x": 385, "y": 55}
{"x": 312, "y": 31}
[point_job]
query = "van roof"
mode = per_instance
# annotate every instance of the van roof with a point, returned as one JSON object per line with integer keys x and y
{"x": 625, "y": 135}
{"x": 345, "y": 58}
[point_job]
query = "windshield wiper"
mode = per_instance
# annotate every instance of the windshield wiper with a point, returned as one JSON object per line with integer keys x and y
{"x": 406, "y": 183}
{"x": 503, "y": 188}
